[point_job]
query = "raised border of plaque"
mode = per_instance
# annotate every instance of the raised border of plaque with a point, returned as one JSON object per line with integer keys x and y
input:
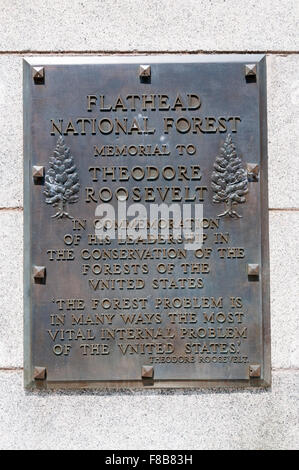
{"x": 36, "y": 75}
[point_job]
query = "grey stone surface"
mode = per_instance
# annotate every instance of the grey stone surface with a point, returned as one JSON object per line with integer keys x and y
{"x": 283, "y": 130}
{"x": 11, "y": 288}
{"x": 150, "y": 419}
{"x": 11, "y": 138}
{"x": 284, "y": 228}
{"x": 121, "y": 25}
{"x": 284, "y": 276}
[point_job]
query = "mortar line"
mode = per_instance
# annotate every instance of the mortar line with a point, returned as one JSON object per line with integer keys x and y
{"x": 137, "y": 52}
{"x": 16, "y": 209}
{"x": 284, "y": 209}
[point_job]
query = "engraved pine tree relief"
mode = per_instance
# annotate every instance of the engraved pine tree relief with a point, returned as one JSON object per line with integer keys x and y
{"x": 61, "y": 181}
{"x": 229, "y": 179}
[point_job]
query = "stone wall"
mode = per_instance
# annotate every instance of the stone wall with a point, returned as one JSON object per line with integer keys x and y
{"x": 153, "y": 419}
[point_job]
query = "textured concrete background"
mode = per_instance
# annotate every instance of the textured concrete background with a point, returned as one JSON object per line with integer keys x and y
{"x": 151, "y": 419}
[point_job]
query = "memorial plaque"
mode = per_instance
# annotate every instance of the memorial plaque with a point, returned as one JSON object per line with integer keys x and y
{"x": 146, "y": 223}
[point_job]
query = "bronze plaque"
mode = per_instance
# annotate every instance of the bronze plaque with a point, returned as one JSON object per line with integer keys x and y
{"x": 146, "y": 223}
